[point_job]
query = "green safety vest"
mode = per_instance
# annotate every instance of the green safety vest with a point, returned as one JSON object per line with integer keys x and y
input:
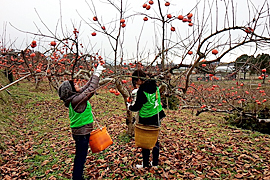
{"x": 148, "y": 109}
{"x": 80, "y": 119}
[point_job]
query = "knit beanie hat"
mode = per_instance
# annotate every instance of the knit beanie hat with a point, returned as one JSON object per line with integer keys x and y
{"x": 65, "y": 90}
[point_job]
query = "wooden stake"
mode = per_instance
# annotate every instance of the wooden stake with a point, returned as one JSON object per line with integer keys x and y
{"x": 18, "y": 80}
{"x": 6, "y": 89}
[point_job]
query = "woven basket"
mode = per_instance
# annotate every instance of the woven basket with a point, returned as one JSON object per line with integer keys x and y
{"x": 146, "y": 136}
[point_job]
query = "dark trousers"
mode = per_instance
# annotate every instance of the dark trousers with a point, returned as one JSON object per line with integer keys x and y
{"x": 82, "y": 142}
{"x": 146, "y": 154}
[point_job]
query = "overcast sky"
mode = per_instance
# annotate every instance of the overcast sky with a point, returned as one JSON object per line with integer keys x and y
{"x": 24, "y": 15}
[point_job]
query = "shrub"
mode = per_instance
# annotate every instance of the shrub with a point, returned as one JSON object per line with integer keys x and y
{"x": 250, "y": 122}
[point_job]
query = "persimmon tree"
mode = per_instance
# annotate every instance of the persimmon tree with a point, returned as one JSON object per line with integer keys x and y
{"x": 209, "y": 42}
{"x": 214, "y": 34}
{"x": 114, "y": 31}
{"x": 219, "y": 42}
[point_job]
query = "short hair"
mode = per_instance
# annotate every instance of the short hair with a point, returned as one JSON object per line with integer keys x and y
{"x": 136, "y": 75}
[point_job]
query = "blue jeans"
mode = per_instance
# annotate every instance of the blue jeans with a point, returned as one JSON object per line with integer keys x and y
{"x": 146, "y": 154}
{"x": 81, "y": 142}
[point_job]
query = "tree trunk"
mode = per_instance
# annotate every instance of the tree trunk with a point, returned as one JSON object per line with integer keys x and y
{"x": 130, "y": 124}
{"x": 125, "y": 94}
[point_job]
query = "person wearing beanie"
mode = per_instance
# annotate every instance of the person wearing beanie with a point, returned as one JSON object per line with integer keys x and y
{"x": 148, "y": 103}
{"x": 80, "y": 115}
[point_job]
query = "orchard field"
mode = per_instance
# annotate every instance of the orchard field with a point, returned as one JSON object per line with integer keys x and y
{"x": 36, "y": 141}
{"x": 217, "y": 127}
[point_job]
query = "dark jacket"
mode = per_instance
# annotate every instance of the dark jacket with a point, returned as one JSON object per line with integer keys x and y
{"x": 79, "y": 100}
{"x": 150, "y": 87}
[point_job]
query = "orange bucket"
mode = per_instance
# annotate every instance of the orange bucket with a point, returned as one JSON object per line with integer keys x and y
{"x": 99, "y": 140}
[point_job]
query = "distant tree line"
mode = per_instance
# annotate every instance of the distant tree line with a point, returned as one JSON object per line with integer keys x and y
{"x": 253, "y": 64}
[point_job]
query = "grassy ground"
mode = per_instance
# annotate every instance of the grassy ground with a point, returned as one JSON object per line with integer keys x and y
{"x": 36, "y": 142}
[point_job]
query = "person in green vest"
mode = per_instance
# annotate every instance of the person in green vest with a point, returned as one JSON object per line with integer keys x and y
{"x": 148, "y": 103}
{"x": 80, "y": 115}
